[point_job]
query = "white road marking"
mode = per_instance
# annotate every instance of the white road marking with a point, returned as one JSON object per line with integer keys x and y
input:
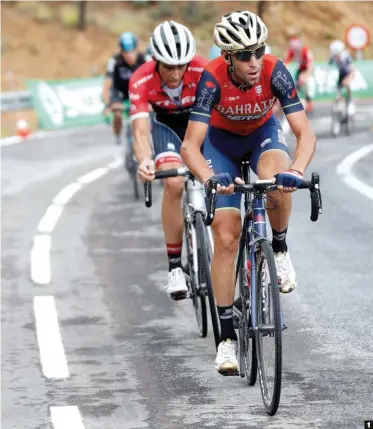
{"x": 93, "y": 175}
{"x": 67, "y": 417}
{"x": 40, "y": 266}
{"x": 64, "y": 196}
{"x": 52, "y": 353}
{"x": 344, "y": 170}
{"x": 40, "y": 253}
{"x": 50, "y": 218}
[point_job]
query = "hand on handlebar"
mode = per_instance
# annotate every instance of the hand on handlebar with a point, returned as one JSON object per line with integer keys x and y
{"x": 146, "y": 170}
{"x": 289, "y": 181}
{"x": 224, "y": 182}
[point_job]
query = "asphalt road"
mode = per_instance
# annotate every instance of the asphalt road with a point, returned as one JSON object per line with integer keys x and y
{"x": 134, "y": 357}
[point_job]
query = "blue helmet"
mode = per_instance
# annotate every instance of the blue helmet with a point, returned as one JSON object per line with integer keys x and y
{"x": 127, "y": 41}
{"x": 214, "y": 52}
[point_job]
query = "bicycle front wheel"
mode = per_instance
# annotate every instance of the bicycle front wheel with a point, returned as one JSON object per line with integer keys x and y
{"x": 269, "y": 329}
{"x": 205, "y": 275}
{"x": 194, "y": 280}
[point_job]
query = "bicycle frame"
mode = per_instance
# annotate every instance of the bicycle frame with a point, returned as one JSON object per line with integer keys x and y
{"x": 254, "y": 224}
{"x": 193, "y": 199}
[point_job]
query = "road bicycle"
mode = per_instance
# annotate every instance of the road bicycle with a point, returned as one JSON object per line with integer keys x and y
{"x": 257, "y": 311}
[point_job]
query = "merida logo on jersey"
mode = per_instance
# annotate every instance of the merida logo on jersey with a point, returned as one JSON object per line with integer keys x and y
{"x": 247, "y": 111}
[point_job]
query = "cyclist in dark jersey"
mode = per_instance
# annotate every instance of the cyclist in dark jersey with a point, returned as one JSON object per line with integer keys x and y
{"x": 119, "y": 70}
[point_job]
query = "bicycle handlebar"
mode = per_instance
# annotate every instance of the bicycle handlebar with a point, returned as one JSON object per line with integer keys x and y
{"x": 175, "y": 172}
{"x": 262, "y": 187}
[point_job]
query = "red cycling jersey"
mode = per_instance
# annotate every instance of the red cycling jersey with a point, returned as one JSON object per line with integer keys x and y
{"x": 304, "y": 58}
{"x": 241, "y": 110}
{"x": 171, "y": 108}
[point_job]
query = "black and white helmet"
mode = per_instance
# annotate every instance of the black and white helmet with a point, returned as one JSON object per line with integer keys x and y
{"x": 240, "y": 30}
{"x": 173, "y": 44}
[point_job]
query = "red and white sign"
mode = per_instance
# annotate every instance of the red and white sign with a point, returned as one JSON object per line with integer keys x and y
{"x": 357, "y": 37}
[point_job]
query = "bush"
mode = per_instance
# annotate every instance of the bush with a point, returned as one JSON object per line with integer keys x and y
{"x": 162, "y": 11}
{"x": 69, "y": 15}
{"x": 43, "y": 12}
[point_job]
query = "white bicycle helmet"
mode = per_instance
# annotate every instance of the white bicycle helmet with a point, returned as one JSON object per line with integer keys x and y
{"x": 337, "y": 47}
{"x": 240, "y": 30}
{"x": 173, "y": 44}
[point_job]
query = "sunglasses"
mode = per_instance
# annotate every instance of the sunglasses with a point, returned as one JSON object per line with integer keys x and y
{"x": 245, "y": 56}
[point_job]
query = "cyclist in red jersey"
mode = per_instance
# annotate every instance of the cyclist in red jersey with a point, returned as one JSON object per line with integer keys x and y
{"x": 233, "y": 118}
{"x": 303, "y": 56}
{"x": 169, "y": 85}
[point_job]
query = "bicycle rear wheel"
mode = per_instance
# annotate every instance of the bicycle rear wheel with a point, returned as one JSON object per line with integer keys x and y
{"x": 269, "y": 329}
{"x": 197, "y": 294}
{"x": 205, "y": 276}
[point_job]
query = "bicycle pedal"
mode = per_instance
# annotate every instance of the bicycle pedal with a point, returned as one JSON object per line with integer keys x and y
{"x": 178, "y": 296}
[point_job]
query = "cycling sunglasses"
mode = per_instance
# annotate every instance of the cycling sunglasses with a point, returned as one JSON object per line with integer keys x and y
{"x": 245, "y": 56}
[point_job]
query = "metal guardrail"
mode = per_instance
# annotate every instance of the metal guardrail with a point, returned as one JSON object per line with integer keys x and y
{"x": 15, "y": 100}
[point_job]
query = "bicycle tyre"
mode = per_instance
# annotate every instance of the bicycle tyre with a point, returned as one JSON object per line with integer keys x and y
{"x": 198, "y": 297}
{"x": 248, "y": 357}
{"x": 135, "y": 183}
{"x": 205, "y": 272}
{"x": 270, "y": 403}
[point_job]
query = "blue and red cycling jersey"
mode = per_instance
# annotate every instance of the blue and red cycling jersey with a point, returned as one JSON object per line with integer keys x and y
{"x": 224, "y": 104}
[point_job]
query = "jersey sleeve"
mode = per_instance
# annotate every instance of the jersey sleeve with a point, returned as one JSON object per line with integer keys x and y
{"x": 138, "y": 96}
{"x": 283, "y": 88}
{"x": 110, "y": 67}
{"x": 207, "y": 95}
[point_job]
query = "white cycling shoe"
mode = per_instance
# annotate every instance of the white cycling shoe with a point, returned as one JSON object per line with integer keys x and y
{"x": 176, "y": 284}
{"x": 285, "y": 272}
{"x": 226, "y": 362}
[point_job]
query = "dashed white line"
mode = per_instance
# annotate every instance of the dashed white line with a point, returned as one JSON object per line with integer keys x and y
{"x": 344, "y": 170}
{"x": 93, "y": 175}
{"x": 40, "y": 259}
{"x": 52, "y": 353}
{"x": 67, "y": 417}
{"x": 50, "y": 218}
{"x": 40, "y": 265}
{"x": 64, "y": 196}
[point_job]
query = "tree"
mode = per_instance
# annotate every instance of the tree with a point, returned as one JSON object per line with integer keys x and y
{"x": 261, "y": 7}
{"x": 82, "y": 15}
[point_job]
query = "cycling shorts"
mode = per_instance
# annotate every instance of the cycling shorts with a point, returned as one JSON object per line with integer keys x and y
{"x": 166, "y": 142}
{"x": 116, "y": 96}
{"x": 224, "y": 153}
{"x": 342, "y": 75}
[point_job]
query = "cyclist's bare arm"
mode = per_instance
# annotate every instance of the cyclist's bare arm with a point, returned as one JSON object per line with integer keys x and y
{"x": 191, "y": 151}
{"x": 306, "y": 140}
{"x": 106, "y": 90}
{"x": 142, "y": 148}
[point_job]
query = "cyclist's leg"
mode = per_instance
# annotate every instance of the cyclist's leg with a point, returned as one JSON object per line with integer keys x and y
{"x": 226, "y": 228}
{"x": 116, "y": 101}
{"x": 346, "y": 81}
{"x": 172, "y": 216}
{"x": 267, "y": 160}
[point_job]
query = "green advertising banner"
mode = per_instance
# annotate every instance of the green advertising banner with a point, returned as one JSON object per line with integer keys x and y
{"x": 77, "y": 102}
{"x": 323, "y": 84}
{"x": 67, "y": 103}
